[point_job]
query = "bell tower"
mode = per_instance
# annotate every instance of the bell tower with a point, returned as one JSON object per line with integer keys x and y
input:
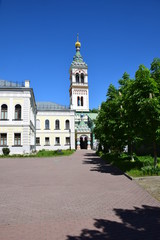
{"x": 79, "y": 93}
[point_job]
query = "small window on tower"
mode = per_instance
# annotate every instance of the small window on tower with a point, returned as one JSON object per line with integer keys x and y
{"x": 78, "y": 101}
{"x": 77, "y": 78}
{"x": 81, "y": 101}
{"x": 82, "y": 78}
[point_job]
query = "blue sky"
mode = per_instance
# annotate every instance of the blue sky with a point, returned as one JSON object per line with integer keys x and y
{"x": 37, "y": 42}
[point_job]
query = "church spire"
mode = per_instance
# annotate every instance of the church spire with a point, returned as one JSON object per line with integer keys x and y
{"x": 78, "y": 44}
{"x": 78, "y": 59}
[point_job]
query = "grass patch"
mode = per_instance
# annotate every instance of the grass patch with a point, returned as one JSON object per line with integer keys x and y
{"x": 42, "y": 153}
{"x": 50, "y": 153}
{"x": 142, "y": 166}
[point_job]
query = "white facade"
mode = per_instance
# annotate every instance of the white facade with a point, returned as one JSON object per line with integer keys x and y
{"x": 17, "y": 118}
{"x": 79, "y": 93}
{"x": 55, "y": 129}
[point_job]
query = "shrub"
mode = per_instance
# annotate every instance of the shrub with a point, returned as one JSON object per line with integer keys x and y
{"x": 150, "y": 170}
{"x": 6, "y": 151}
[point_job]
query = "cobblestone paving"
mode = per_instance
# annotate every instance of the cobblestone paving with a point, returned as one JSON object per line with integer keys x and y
{"x": 73, "y": 198}
{"x": 151, "y": 184}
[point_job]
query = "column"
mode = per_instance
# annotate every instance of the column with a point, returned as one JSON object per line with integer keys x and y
{"x": 89, "y": 144}
{"x": 78, "y": 144}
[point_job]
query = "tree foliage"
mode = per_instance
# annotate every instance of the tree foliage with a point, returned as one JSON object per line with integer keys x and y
{"x": 131, "y": 113}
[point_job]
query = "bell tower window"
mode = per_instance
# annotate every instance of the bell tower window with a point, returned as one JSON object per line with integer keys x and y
{"x": 82, "y": 78}
{"x": 77, "y": 78}
{"x": 78, "y": 101}
{"x": 81, "y": 101}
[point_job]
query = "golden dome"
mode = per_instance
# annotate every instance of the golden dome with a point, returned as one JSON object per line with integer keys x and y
{"x": 78, "y": 44}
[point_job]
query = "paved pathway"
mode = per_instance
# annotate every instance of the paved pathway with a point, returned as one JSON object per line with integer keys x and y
{"x": 73, "y": 198}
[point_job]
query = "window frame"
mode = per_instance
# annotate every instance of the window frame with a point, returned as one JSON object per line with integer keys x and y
{"x": 77, "y": 78}
{"x": 47, "y": 143}
{"x": 82, "y": 102}
{"x": 18, "y": 112}
{"x": 3, "y": 139}
{"x": 67, "y": 124}
{"x": 47, "y": 124}
{"x": 57, "y": 143}
{"x": 38, "y": 144}
{"x": 57, "y": 124}
{"x": 82, "y": 77}
{"x": 4, "y": 111}
{"x": 68, "y": 143}
{"x": 16, "y": 139}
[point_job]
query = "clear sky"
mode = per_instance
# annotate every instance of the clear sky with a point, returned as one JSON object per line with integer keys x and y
{"x": 37, "y": 42}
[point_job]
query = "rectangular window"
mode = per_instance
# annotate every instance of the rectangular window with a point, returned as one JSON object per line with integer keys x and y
{"x": 57, "y": 141}
{"x": 67, "y": 140}
{"x": 3, "y": 139}
{"x": 37, "y": 141}
{"x": 17, "y": 139}
{"x": 4, "y": 115}
{"x": 18, "y": 113}
{"x": 47, "y": 141}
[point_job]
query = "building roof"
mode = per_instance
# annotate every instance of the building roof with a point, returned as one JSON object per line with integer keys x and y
{"x": 92, "y": 116}
{"x": 83, "y": 127}
{"x": 48, "y": 106}
{"x": 9, "y": 84}
{"x": 78, "y": 59}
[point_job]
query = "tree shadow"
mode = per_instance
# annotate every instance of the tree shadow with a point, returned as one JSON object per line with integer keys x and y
{"x": 137, "y": 224}
{"x": 100, "y": 165}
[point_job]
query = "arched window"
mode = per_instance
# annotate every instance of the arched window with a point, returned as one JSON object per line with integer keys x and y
{"x": 4, "y": 110}
{"x": 47, "y": 124}
{"x": 82, "y": 78}
{"x": 37, "y": 124}
{"x": 78, "y": 101}
{"x": 57, "y": 125}
{"x": 77, "y": 78}
{"x": 18, "y": 112}
{"x": 67, "y": 124}
{"x": 81, "y": 101}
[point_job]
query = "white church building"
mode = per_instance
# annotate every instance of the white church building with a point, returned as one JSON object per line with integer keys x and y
{"x": 26, "y": 125}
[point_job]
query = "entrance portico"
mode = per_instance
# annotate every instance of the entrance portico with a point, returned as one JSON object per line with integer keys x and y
{"x": 83, "y": 141}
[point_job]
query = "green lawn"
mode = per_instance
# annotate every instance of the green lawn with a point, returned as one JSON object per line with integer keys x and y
{"x": 43, "y": 153}
{"x": 142, "y": 166}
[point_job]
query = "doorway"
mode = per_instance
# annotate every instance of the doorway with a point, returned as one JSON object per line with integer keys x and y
{"x": 83, "y": 142}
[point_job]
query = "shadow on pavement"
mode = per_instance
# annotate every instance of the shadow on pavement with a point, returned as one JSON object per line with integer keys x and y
{"x": 100, "y": 165}
{"x": 137, "y": 224}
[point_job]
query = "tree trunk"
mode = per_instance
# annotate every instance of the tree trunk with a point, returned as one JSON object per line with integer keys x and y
{"x": 131, "y": 153}
{"x": 155, "y": 153}
{"x": 131, "y": 150}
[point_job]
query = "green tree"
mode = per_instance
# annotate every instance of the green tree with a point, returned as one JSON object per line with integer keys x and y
{"x": 146, "y": 97}
{"x": 128, "y": 105}
{"x": 94, "y": 110}
{"x": 132, "y": 112}
{"x": 155, "y": 70}
{"x": 109, "y": 127}
{"x": 99, "y": 129}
